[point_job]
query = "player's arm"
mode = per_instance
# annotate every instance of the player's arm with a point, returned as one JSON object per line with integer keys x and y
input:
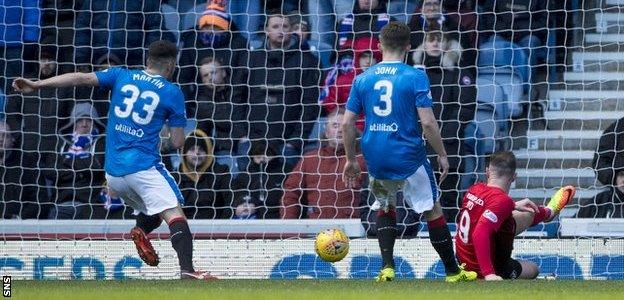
{"x": 349, "y": 133}
{"x": 171, "y": 138}
{"x": 24, "y": 85}
{"x": 432, "y": 133}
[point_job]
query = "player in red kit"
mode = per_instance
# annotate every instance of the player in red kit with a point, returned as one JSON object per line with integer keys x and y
{"x": 489, "y": 220}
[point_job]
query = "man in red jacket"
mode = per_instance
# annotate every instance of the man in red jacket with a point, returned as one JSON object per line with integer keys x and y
{"x": 489, "y": 220}
{"x": 318, "y": 178}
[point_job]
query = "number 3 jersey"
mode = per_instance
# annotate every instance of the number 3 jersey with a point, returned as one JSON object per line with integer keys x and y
{"x": 389, "y": 95}
{"x": 485, "y": 230}
{"x": 141, "y": 104}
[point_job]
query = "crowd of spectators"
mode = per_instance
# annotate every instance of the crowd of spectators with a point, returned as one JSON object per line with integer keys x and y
{"x": 267, "y": 83}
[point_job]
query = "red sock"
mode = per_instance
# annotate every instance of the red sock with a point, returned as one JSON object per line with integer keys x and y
{"x": 544, "y": 213}
{"x": 439, "y": 222}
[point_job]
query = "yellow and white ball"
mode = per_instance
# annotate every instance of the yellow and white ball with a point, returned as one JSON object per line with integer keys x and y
{"x": 332, "y": 245}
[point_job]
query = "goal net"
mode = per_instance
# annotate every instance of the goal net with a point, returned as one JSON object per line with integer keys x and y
{"x": 265, "y": 84}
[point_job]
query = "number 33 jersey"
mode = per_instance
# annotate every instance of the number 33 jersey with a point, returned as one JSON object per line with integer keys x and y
{"x": 141, "y": 104}
{"x": 389, "y": 95}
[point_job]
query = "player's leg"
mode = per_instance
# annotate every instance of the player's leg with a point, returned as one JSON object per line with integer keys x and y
{"x": 145, "y": 224}
{"x": 162, "y": 197}
{"x": 385, "y": 204}
{"x": 518, "y": 269}
{"x": 547, "y": 213}
{"x": 420, "y": 193}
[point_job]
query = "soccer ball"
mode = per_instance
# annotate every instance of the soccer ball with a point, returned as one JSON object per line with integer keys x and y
{"x": 332, "y": 245}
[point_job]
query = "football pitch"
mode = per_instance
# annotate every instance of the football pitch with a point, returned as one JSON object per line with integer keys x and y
{"x": 316, "y": 289}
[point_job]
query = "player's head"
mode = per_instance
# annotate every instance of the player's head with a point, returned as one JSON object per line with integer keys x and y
{"x": 395, "y": 39}
{"x": 502, "y": 167}
{"x": 161, "y": 57}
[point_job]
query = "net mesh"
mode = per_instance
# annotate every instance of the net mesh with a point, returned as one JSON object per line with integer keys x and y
{"x": 539, "y": 78}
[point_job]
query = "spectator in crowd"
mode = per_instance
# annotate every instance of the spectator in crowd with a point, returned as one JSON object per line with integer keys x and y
{"x": 360, "y": 30}
{"x": 282, "y": 91}
{"x": 609, "y": 159}
{"x": 340, "y": 79}
{"x": 214, "y": 36}
{"x": 110, "y": 205}
{"x": 58, "y": 30}
{"x": 431, "y": 17}
{"x": 607, "y": 204}
{"x": 316, "y": 186}
{"x": 36, "y": 117}
{"x": 301, "y": 28}
{"x": 453, "y": 93}
{"x": 18, "y": 189}
{"x": 125, "y": 28}
{"x": 217, "y": 113}
{"x": 258, "y": 189}
{"x": 77, "y": 169}
{"x": 19, "y": 32}
{"x": 98, "y": 96}
{"x": 522, "y": 22}
{"x": 325, "y": 13}
{"x": 204, "y": 183}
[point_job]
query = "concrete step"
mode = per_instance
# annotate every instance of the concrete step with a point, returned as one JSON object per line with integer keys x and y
{"x": 593, "y": 76}
{"x": 581, "y": 120}
{"x": 609, "y": 22}
{"x": 563, "y": 139}
{"x": 604, "y": 38}
{"x": 554, "y": 159}
{"x": 542, "y": 196}
{"x": 597, "y": 100}
{"x": 599, "y": 47}
{"x": 555, "y": 178}
{"x": 597, "y": 61}
{"x": 589, "y": 85}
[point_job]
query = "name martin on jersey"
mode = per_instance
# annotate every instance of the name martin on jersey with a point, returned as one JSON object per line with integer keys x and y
{"x": 155, "y": 81}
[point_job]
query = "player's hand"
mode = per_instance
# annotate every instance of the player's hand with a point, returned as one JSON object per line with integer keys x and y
{"x": 526, "y": 205}
{"x": 351, "y": 173}
{"x": 493, "y": 277}
{"x": 444, "y": 167}
{"x": 23, "y": 85}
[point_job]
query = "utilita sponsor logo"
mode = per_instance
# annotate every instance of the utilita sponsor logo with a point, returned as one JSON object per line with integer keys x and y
{"x": 384, "y": 127}
{"x": 129, "y": 130}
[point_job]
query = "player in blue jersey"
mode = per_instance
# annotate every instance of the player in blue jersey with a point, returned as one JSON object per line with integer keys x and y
{"x": 142, "y": 103}
{"x": 394, "y": 97}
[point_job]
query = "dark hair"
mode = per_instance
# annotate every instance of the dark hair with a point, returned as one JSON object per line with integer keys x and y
{"x": 211, "y": 59}
{"x": 503, "y": 163}
{"x": 161, "y": 52}
{"x": 395, "y": 36}
{"x": 275, "y": 13}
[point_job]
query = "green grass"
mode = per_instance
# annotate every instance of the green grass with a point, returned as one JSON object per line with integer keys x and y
{"x": 317, "y": 289}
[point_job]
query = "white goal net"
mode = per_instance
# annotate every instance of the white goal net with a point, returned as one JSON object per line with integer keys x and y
{"x": 265, "y": 84}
